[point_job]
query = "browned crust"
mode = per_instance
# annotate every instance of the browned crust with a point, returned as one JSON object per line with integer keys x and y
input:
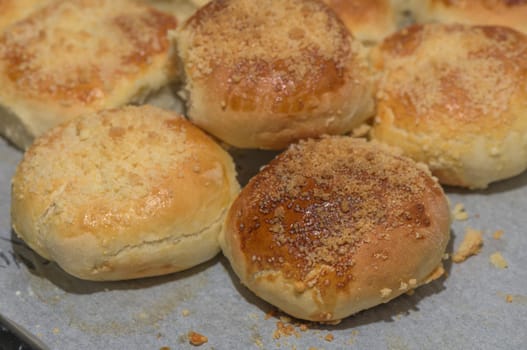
{"x": 271, "y": 63}
{"x": 124, "y": 193}
{"x": 12, "y": 11}
{"x": 340, "y": 216}
{"x": 138, "y": 33}
{"x": 453, "y": 78}
{"x": 453, "y": 96}
{"x": 272, "y": 80}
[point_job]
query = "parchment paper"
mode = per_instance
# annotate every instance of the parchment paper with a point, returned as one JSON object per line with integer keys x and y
{"x": 466, "y": 310}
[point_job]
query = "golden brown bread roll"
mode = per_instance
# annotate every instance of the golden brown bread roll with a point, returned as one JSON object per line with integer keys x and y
{"x": 369, "y": 20}
{"x": 455, "y": 98}
{"x": 510, "y": 13}
{"x": 122, "y": 194}
{"x": 262, "y": 74}
{"x": 336, "y": 226}
{"x": 79, "y": 56}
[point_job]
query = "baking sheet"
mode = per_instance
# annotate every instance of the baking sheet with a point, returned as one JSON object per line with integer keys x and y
{"x": 466, "y": 310}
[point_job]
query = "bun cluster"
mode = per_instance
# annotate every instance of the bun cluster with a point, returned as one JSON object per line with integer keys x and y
{"x": 334, "y": 224}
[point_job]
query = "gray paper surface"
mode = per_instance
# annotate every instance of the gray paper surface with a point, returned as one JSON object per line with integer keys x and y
{"x": 468, "y": 309}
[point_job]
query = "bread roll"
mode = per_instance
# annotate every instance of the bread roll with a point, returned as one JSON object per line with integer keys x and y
{"x": 79, "y": 56}
{"x": 369, "y": 20}
{"x": 336, "y": 226}
{"x": 122, "y": 194}
{"x": 262, "y": 74}
{"x": 12, "y": 11}
{"x": 455, "y": 97}
{"x": 510, "y": 13}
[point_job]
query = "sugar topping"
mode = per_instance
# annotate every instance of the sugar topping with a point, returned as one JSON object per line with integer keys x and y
{"x": 318, "y": 202}
{"x": 290, "y": 35}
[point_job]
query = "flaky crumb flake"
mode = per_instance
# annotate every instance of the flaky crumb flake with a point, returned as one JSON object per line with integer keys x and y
{"x": 385, "y": 292}
{"x": 498, "y": 261}
{"x": 459, "y": 212}
{"x": 329, "y": 337}
{"x": 497, "y": 234}
{"x": 197, "y": 339}
{"x": 471, "y": 245}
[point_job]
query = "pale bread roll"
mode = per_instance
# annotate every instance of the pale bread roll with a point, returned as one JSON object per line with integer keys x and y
{"x": 509, "y": 13}
{"x": 262, "y": 74}
{"x": 80, "y": 56}
{"x": 336, "y": 226}
{"x": 122, "y": 194}
{"x": 455, "y": 97}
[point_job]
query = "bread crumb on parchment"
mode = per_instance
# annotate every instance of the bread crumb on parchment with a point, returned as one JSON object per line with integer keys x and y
{"x": 197, "y": 339}
{"x": 459, "y": 212}
{"x": 329, "y": 337}
{"x": 497, "y": 234}
{"x": 498, "y": 261}
{"x": 471, "y": 245}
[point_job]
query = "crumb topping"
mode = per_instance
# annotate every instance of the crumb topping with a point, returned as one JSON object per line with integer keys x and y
{"x": 386, "y": 292}
{"x": 115, "y": 168}
{"x": 475, "y": 74}
{"x": 254, "y": 31}
{"x": 76, "y": 51}
{"x": 265, "y": 52}
{"x": 313, "y": 206}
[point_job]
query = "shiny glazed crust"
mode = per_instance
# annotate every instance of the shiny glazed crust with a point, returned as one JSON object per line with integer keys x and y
{"x": 262, "y": 74}
{"x": 336, "y": 226}
{"x": 122, "y": 194}
{"x": 453, "y": 97}
{"x": 76, "y": 57}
